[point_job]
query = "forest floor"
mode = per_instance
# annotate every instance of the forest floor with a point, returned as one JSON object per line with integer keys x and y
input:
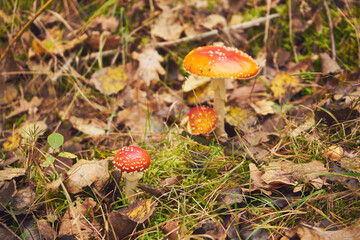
{"x": 80, "y": 80}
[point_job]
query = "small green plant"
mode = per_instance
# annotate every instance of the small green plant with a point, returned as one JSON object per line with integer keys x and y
{"x": 56, "y": 140}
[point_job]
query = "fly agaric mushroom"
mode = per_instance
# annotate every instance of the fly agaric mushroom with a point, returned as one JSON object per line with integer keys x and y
{"x": 131, "y": 161}
{"x": 220, "y": 63}
{"x": 200, "y": 120}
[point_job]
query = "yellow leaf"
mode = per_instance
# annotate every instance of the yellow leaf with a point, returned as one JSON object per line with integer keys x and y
{"x": 236, "y": 116}
{"x": 140, "y": 210}
{"x": 12, "y": 142}
{"x": 283, "y": 85}
{"x": 110, "y": 80}
{"x": 51, "y": 44}
{"x": 200, "y": 95}
{"x": 192, "y": 82}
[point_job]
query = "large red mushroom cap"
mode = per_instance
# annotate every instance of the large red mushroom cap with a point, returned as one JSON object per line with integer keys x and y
{"x": 220, "y": 62}
{"x": 200, "y": 120}
{"x": 132, "y": 159}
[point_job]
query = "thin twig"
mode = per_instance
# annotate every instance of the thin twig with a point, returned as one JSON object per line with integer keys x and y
{"x": 214, "y": 32}
{"x": 291, "y": 32}
{"x": 267, "y": 21}
{"x": 331, "y": 29}
{"x": 18, "y": 35}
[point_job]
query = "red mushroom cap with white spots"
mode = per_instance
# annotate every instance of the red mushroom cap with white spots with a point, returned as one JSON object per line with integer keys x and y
{"x": 202, "y": 120}
{"x": 132, "y": 159}
{"x": 217, "y": 61}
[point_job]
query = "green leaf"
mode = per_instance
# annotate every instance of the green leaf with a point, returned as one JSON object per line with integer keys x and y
{"x": 49, "y": 160}
{"x": 55, "y": 140}
{"x": 67, "y": 155}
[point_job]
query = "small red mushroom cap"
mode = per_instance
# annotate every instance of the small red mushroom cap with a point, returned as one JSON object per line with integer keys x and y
{"x": 217, "y": 61}
{"x": 201, "y": 120}
{"x": 132, "y": 159}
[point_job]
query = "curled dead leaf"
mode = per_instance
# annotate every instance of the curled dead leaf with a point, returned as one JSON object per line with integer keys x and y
{"x": 213, "y": 21}
{"x": 10, "y": 173}
{"x": 85, "y": 173}
{"x": 92, "y": 127}
{"x": 79, "y": 220}
{"x": 283, "y": 173}
{"x": 171, "y": 229}
{"x": 263, "y": 107}
{"x": 305, "y": 232}
{"x": 149, "y": 65}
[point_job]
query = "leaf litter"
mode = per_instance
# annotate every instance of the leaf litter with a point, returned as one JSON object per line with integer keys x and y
{"x": 131, "y": 98}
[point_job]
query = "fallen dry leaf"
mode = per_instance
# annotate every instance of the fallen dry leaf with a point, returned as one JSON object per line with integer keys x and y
{"x": 283, "y": 173}
{"x": 110, "y": 80}
{"x": 12, "y": 142}
{"x": 92, "y": 127}
{"x": 171, "y": 230}
{"x": 7, "y": 192}
{"x": 236, "y": 116}
{"x": 211, "y": 228}
{"x": 108, "y": 23}
{"x": 351, "y": 164}
{"x": 328, "y": 65}
{"x": 171, "y": 181}
{"x": 140, "y": 210}
{"x": 200, "y": 95}
{"x": 149, "y": 65}
{"x": 306, "y": 232}
{"x": 46, "y": 230}
{"x": 139, "y": 120}
{"x": 304, "y": 65}
{"x": 294, "y": 173}
{"x": 74, "y": 221}
{"x": 230, "y": 196}
{"x": 284, "y": 85}
{"x": 10, "y": 173}
{"x": 192, "y": 82}
{"x": 24, "y": 198}
{"x": 54, "y": 44}
{"x": 25, "y": 106}
{"x": 256, "y": 181}
{"x": 263, "y": 107}
{"x": 97, "y": 41}
{"x": 120, "y": 225}
{"x": 307, "y": 125}
{"x": 213, "y": 21}
{"x": 256, "y": 137}
{"x": 244, "y": 92}
{"x": 8, "y": 94}
{"x": 84, "y": 173}
{"x": 167, "y": 25}
{"x": 124, "y": 222}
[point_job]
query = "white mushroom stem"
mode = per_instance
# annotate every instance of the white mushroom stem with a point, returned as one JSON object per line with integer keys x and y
{"x": 131, "y": 181}
{"x": 218, "y": 86}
